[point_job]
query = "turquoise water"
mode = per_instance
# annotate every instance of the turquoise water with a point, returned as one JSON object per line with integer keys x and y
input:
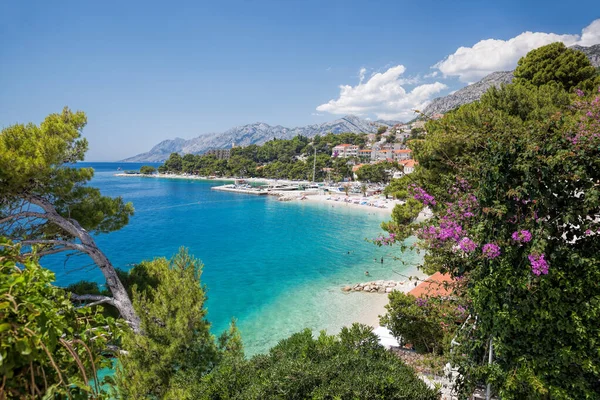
{"x": 277, "y": 267}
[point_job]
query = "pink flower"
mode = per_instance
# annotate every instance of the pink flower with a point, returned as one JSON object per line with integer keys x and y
{"x": 491, "y": 250}
{"x": 467, "y": 245}
{"x": 522, "y": 236}
{"x": 539, "y": 266}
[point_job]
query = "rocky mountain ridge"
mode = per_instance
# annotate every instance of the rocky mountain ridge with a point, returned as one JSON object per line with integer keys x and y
{"x": 473, "y": 92}
{"x": 257, "y": 133}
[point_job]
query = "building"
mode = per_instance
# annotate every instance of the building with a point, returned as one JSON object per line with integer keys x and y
{"x": 402, "y": 154}
{"x": 409, "y": 166}
{"x": 365, "y": 155}
{"x": 345, "y": 150}
{"x": 221, "y": 154}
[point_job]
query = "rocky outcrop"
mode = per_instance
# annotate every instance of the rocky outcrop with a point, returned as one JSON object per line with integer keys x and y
{"x": 468, "y": 94}
{"x": 379, "y": 286}
{"x": 257, "y": 133}
{"x": 473, "y": 92}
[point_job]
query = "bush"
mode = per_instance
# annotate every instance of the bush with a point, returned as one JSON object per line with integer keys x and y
{"x": 351, "y": 365}
{"x": 48, "y": 348}
{"x": 147, "y": 170}
{"x": 425, "y": 322}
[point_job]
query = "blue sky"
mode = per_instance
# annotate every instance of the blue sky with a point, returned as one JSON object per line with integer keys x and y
{"x": 148, "y": 71}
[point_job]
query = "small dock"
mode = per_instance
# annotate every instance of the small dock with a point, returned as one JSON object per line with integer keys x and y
{"x": 234, "y": 189}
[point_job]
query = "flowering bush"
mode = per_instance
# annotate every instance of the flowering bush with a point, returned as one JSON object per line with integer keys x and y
{"x": 518, "y": 172}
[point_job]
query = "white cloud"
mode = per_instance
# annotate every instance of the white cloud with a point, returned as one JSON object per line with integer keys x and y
{"x": 316, "y": 114}
{"x": 383, "y": 95}
{"x": 490, "y": 55}
{"x": 590, "y": 35}
{"x": 361, "y": 74}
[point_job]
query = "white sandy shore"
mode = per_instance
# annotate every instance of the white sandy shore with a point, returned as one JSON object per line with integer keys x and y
{"x": 385, "y": 208}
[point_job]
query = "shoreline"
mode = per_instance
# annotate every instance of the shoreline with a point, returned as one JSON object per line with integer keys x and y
{"x": 375, "y": 302}
{"x": 354, "y": 200}
{"x": 378, "y": 301}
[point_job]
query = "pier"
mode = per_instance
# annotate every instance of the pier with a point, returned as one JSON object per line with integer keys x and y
{"x": 234, "y": 189}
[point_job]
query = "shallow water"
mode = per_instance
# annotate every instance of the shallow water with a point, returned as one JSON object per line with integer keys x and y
{"x": 277, "y": 267}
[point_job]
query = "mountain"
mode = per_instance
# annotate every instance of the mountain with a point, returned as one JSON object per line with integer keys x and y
{"x": 257, "y": 133}
{"x": 468, "y": 94}
{"x": 473, "y": 92}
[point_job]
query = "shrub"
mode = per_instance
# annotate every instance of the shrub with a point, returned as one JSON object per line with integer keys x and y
{"x": 424, "y": 322}
{"x": 351, "y": 365}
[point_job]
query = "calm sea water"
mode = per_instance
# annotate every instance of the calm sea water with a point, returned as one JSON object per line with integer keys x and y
{"x": 277, "y": 267}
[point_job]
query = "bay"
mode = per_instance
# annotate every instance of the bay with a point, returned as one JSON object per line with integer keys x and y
{"x": 276, "y": 267}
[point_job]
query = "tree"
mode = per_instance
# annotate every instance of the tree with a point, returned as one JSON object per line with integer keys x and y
{"x": 513, "y": 181}
{"x": 147, "y": 170}
{"x": 554, "y": 63}
{"x": 363, "y": 189}
{"x": 174, "y": 163}
{"x": 177, "y": 348}
{"x": 351, "y": 365}
{"x": 377, "y": 173}
{"x": 45, "y": 202}
{"x": 49, "y": 348}
{"x": 382, "y": 129}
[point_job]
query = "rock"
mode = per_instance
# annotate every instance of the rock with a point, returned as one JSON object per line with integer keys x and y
{"x": 389, "y": 290}
{"x": 347, "y": 289}
{"x": 381, "y": 290}
{"x": 367, "y": 288}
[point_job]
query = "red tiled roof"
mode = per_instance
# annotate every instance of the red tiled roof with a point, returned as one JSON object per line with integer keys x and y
{"x": 403, "y": 151}
{"x": 435, "y": 285}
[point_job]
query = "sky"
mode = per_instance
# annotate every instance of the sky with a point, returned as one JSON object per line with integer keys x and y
{"x": 146, "y": 71}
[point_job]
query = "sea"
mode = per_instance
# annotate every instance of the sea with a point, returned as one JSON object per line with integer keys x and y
{"x": 275, "y": 267}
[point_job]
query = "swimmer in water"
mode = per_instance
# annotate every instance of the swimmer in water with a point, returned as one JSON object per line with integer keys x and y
{"x": 367, "y": 273}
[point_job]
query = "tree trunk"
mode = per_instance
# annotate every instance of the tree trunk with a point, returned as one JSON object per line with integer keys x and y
{"x": 121, "y": 299}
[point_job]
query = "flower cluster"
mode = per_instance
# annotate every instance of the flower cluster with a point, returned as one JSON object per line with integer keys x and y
{"x": 421, "y": 301}
{"x": 420, "y": 194}
{"x": 491, "y": 250}
{"x": 385, "y": 241}
{"x": 539, "y": 266}
{"x": 522, "y": 236}
{"x": 467, "y": 245}
{"x": 587, "y": 131}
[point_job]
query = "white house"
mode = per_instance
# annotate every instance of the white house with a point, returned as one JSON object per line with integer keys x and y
{"x": 345, "y": 150}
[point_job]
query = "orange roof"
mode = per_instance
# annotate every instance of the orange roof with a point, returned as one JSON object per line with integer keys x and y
{"x": 435, "y": 285}
{"x": 409, "y": 163}
{"x": 364, "y": 151}
{"x": 356, "y": 167}
{"x": 344, "y": 145}
{"x": 403, "y": 151}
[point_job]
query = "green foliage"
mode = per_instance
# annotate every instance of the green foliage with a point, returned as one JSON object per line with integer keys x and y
{"x": 34, "y": 162}
{"x": 277, "y": 158}
{"x": 176, "y": 348}
{"x": 377, "y": 173}
{"x": 48, "y": 348}
{"x": 147, "y": 170}
{"x": 381, "y": 129}
{"x": 529, "y": 154}
{"x": 428, "y": 323}
{"x": 554, "y": 63}
{"x": 351, "y": 365}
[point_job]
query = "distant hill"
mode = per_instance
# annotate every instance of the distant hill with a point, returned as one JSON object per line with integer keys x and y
{"x": 257, "y": 133}
{"x": 473, "y": 92}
